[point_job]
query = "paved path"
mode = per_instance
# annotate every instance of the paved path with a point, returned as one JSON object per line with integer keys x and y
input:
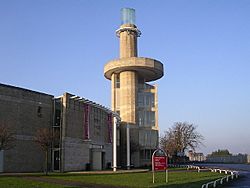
{"x": 244, "y": 169}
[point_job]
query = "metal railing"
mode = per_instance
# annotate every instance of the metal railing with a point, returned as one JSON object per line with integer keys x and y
{"x": 232, "y": 174}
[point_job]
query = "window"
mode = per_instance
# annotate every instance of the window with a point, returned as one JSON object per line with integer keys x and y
{"x": 152, "y": 118}
{"x": 117, "y": 81}
{"x": 147, "y": 100}
{"x": 142, "y": 154}
{"x": 140, "y": 99}
{"x": 145, "y": 154}
{"x": 153, "y": 100}
{"x": 57, "y": 118}
{"x": 39, "y": 111}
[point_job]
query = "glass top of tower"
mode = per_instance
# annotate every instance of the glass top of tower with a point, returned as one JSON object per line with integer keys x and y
{"x": 127, "y": 16}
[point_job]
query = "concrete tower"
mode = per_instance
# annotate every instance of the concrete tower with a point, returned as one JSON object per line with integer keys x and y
{"x": 132, "y": 97}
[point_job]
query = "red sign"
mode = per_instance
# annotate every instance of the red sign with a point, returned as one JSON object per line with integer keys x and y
{"x": 160, "y": 163}
{"x": 110, "y": 128}
{"x": 86, "y": 121}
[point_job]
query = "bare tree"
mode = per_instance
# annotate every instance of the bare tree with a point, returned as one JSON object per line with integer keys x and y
{"x": 167, "y": 143}
{"x": 45, "y": 137}
{"x": 7, "y": 138}
{"x": 180, "y": 137}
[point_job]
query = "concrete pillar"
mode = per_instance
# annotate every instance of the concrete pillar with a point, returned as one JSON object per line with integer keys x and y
{"x": 128, "y": 147}
{"x": 65, "y": 100}
{"x": 113, "y": 92}
{"x": 128, "y": 96}
{"x": 114, "y": 145}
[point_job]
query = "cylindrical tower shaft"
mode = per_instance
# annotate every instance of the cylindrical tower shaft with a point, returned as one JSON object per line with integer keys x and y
{"x": 128, "y": 34}
{"x": 128, "y": 42}
{"x": 128, "y": 79}
{"x": 128, "y": 96}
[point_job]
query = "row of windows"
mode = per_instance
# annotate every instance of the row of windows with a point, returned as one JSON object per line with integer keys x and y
{"x": 146, "y": 154}
{"x": 144, "y": 86}
{"x": 141, "y": 85}
{"x": 146, "y": 100}
{"x": 146, "y": 118}
{"x": 148, "y": 138}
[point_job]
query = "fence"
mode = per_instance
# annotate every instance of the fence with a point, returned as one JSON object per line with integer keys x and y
{"x": 230, "y": 174}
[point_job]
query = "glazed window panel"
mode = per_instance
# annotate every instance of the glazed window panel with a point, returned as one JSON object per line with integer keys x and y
{"x": 140, "y": 100}
{"x": 117, "y": 81}
{"x": 117, "y": 99}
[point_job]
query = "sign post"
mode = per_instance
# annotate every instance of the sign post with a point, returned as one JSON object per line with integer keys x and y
{"x": 159, "y": 163}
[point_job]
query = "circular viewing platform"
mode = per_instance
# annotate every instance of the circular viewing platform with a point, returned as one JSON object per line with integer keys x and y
{"x": 149, "y": 69}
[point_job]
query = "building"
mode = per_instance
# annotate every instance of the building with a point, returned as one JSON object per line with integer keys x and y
{"x": 133, "y": 97}
{"x": 193, "y": 156}
{"x": 239, "y": 158}
{"x": 25, "y": 112}
{"x": 85, "y": 131}
{"x": 248, "y": 158}
{"x": 86, "y": 134}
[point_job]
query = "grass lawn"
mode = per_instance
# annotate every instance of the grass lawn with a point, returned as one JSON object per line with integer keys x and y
{"x": 18, "y": 182}
{"x": 176, "y": 179}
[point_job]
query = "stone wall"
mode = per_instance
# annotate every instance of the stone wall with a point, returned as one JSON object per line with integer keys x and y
{"x": 76, "y": 153}
{"x": 24, "y": 111}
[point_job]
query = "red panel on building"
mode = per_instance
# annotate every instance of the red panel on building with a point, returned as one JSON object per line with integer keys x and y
{"x": 86, "y": 121}
{"x": 109, "y": 128}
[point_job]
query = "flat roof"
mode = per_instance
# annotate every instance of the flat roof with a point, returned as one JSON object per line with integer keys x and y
{"x": 24, "y": 89}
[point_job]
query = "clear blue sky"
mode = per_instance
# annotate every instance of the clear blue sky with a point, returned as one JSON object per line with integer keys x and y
{"x": 54, "y": 46}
